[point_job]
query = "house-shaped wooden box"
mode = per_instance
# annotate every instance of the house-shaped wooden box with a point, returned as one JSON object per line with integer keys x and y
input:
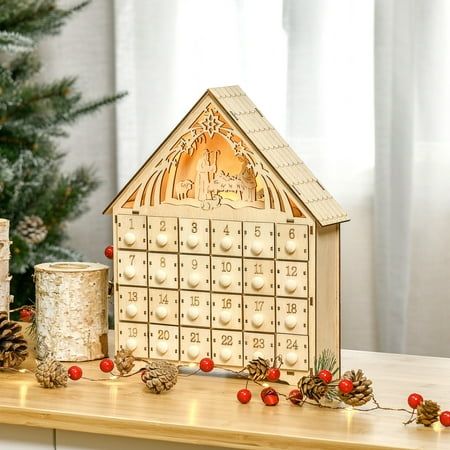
{"x": 226, "y": 245}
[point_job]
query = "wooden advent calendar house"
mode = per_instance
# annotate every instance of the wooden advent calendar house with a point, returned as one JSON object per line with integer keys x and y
{"x": 227, "y": 246}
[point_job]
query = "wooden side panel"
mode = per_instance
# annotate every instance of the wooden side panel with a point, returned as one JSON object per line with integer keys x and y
{"x": 328, "y": 289}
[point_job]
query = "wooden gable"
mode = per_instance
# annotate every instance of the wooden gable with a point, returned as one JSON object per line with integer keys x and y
{"x": 224, "y": 153}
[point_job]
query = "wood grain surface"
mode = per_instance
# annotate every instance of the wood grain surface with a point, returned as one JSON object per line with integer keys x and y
{"x": 203, "y": 409}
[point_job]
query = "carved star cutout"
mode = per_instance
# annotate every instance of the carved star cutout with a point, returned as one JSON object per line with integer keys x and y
{"x": 211, "y": 124}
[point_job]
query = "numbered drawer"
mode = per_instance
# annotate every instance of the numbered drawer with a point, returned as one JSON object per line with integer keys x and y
{"x": 259, "y": 277}
{"x": 195, "y": 309}
{"x": 292, "y": 315}
{"x": 194, "y": 236}
{"x": 226, "y": 311}
{"x": 132, "y": 232}
{"x": 226, "y": 274}
{"x": 163, "y": 306}
{"x": 294, "y": 351}
{"x": 259, "y": 345}
{"x": 132, "y": 268}
{"x": 227, "y": 347}
{"x": 258, "y": 239}
{"x": 195, "y": 344}
{"x": 259, "y": 314}
{"x": 194, "y": 272}
{"x": 292, "y": 279}
{"x": 163, "y": 270}
{"x": 292, "y": 241}
{"x": 164, "y": 342}
{"x": 134, "y": 337}
{"x": 133, "y": 304}
{"x": 162, "y": 234}
{"x": 226, "y": 238}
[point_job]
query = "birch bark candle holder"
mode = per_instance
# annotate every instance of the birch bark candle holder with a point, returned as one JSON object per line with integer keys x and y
{"x": 5, "y": 278}
{"x": 71, "y": 310}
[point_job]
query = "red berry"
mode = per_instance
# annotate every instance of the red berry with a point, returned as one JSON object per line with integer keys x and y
{"x": 273, "y": 374}
{"x": 326, "y": 376}
{"x": 109, "y": 252}
{"x": 106, "y": 365}
{"x": 75, "y": 373}
{"x": 206, "y": 365}
{"x": 26, "y": 314}
{"x": 270, "y": 396}
{"x": 244, "y": 396}
{"x": 295, "y": 396}
{"x": 445, "y": 418}
{"x": 414, "y": 400}
{"x": 345, "y": 386}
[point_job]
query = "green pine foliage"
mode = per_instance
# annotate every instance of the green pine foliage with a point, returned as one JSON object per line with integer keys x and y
{"x": 34, "y": 115}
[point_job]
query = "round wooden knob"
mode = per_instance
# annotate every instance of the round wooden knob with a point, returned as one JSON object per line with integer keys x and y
{"x": 257, "y": 247}
{"x": 225, "y": 280}
{"x": 161, "y": 312}
{"x": 129, "y": 238}
{"x": 162, "y": 347}
{"x": 131, "y": 310}
{"x": 290, "y": 285}
{"x": 226, "y": 243}
{"x": 257, "y": 282}
{"x": 130, "y": 272}
{"x": 131, "y": 344}
{"x": 193, "y": 351}
{"x": 192, "y": 241}
{"x": 160, "y": 276}
{"x": 193, "y": 313}
{"x": 291, "y": 358}
{"x": 194, "y": 279}
{"x": 290, "y": 246}
{"x": 225, "y": 354}
{"x": 257, "y": 355}
{"x": 257, "y": 320}
{"x": 225, "y": 317}
{"x": 162, "y": 239}
{"x": 290, "y": 321}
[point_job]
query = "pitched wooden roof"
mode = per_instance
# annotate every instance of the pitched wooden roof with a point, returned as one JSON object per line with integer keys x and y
{"x": 281, "y": 157}
{"x": 284, "y": 161}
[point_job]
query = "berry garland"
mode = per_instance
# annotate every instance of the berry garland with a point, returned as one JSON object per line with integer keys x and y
{"x": 319, "y": 388}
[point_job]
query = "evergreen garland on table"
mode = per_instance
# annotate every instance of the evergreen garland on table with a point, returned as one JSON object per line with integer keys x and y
{"x": 34, "y": 194}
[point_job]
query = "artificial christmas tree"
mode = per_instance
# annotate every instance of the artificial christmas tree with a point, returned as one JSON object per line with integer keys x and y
{"x": 34, "y": 195}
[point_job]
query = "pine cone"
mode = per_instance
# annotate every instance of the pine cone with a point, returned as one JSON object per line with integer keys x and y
{"x": 160, "y": 376}
{"x": 313, "y": 387}
{"x": 362, "y": 390}
{"x": 428, "y": 413}
{"x": 124, "y": 361}
{"x": 257, "y": 369}
{"x": 51, "y": 373}
{"x": 32, "y": 229}
{"x": 13, "y": 347}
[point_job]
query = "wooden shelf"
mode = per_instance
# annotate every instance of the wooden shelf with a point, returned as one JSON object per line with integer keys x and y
{"x": 204, "y": 409}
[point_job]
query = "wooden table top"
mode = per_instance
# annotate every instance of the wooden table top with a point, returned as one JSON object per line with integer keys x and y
{"x": 203, "y": 409}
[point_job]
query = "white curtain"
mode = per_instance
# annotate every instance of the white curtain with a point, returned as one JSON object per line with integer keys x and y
{"x": 360, "y": 89}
